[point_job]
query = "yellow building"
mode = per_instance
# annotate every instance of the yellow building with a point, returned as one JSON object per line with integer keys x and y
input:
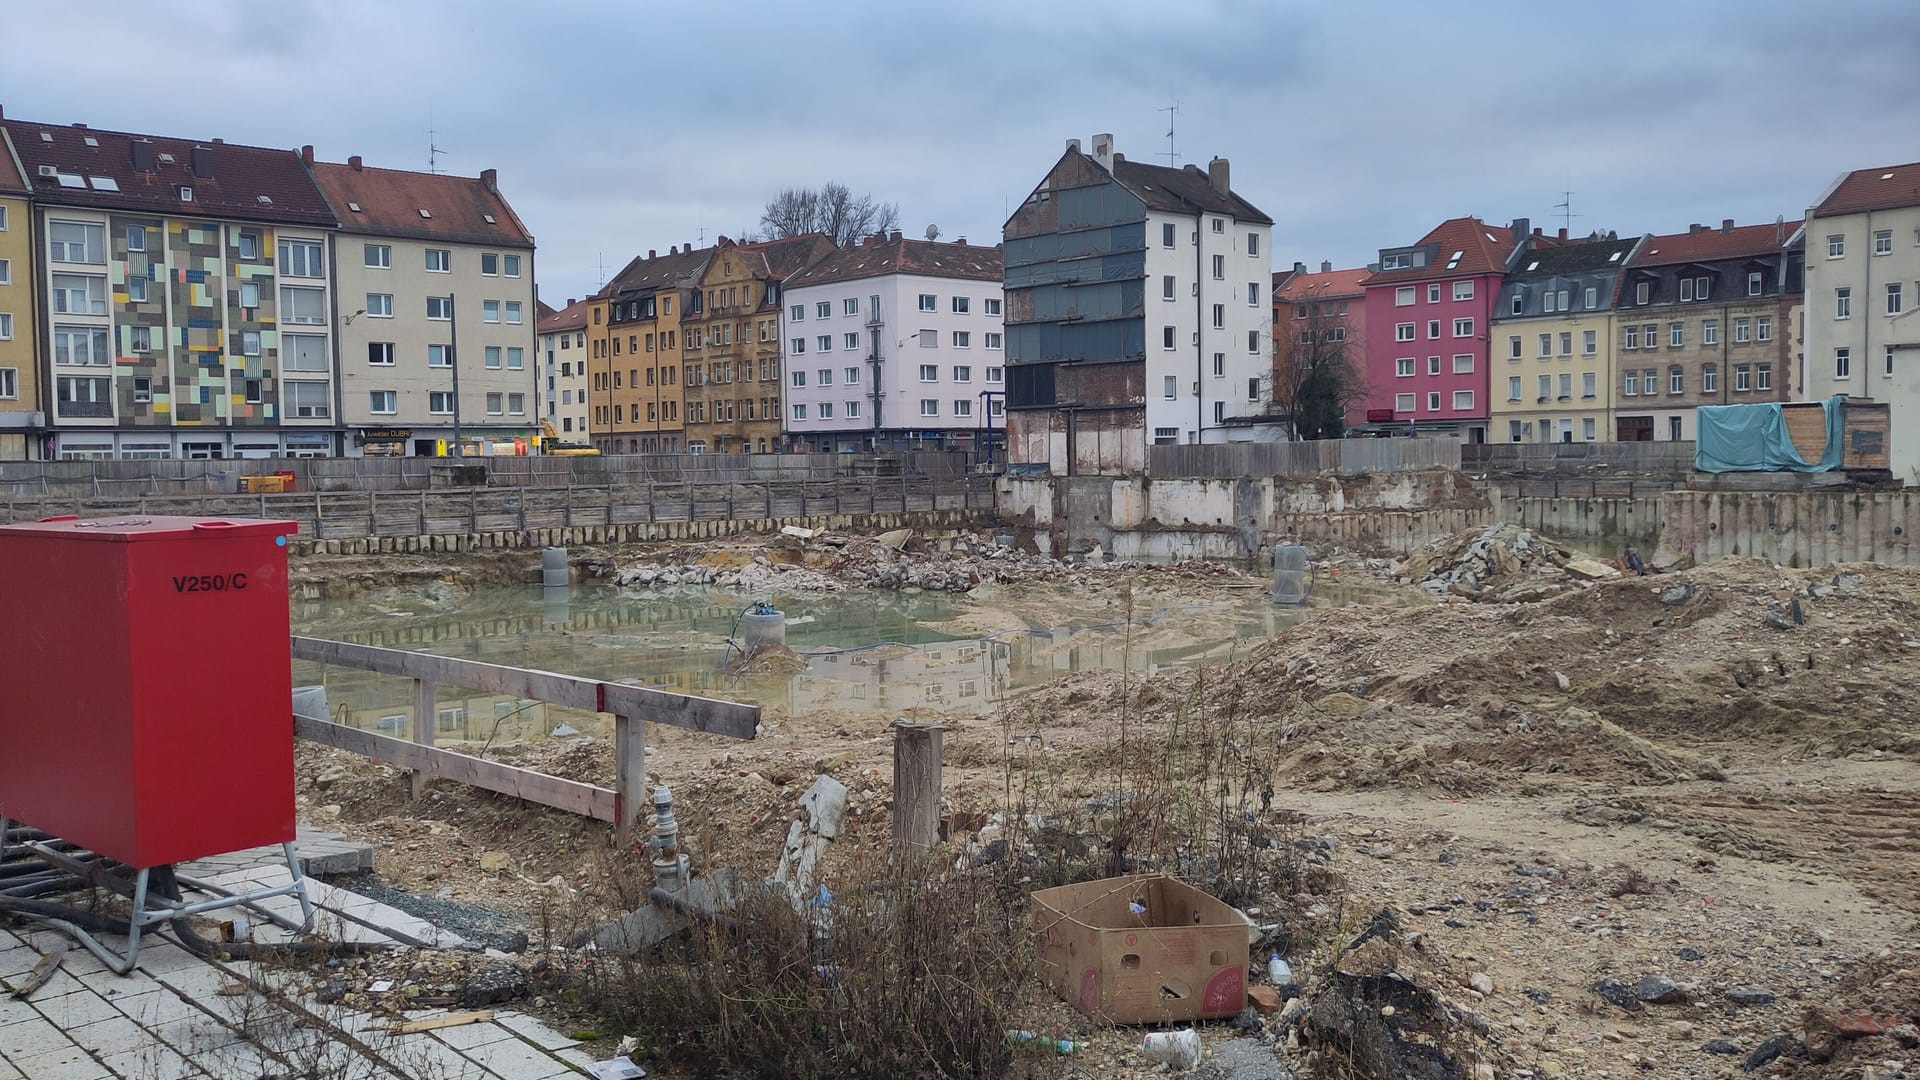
{"x": 733, "y": 344}
{"x": 634, "y": 341}
{"x": 20, "y": 404}
{"x": 1553, "y": 342}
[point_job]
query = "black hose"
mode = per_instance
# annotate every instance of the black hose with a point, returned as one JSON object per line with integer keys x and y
{"x": 43, "y": 909}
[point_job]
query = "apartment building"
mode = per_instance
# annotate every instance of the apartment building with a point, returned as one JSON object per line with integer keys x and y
{"x": 436, "y": 312}
{"x": 562, "y": 344}
{"x": 1862, "y": 291}
{"x": 1705, "y": 317}
{"x": 1429, "y": 310}
{"x": 896, "y": 344}
{"x": 732, "y": 347}
{"x": 1553, "y": 372}
{"x": 1138, "y": 312}
{"x": 22, "y": 414}
{"x": 1315, "y": 315}
{"x": 187, "y": 294}
{"x": 635, "y": 353}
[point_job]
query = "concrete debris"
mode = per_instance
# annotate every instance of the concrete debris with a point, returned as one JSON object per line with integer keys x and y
{"x": 1504, "y": 563}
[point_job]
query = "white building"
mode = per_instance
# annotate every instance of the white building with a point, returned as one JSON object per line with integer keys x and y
{"x": 1863, "y": 289}
{"x": 894, "y": 344}
{"x": 562, "y": 349}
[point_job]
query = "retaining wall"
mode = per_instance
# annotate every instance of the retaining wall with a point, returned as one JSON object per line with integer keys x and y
{"x": 1801, "y": 529}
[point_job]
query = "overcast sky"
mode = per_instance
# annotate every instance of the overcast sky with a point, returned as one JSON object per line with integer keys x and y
{"x": 619, "y": 126}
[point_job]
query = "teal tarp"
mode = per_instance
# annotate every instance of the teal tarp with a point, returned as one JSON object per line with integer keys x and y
{"x": 1753, "y": 438}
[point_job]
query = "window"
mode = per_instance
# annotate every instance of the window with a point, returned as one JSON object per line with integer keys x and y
{"x": 300, "y": 258}
{"x": 250, "y": 343}
{"x": 1888, "y": 371}
{"x": 1169, "y": 387}
{"x": 517, "y": 404}
{"x": 1549, "y": 301}
{"x": 1763, "y": 376}
{"x": 6, "y": 326}
{"x": 493, "y": 404}
{"x": 1631, "y": 387}
{"x": 1219, "y": 267}
{"x": 513, "y": 313}
{"x": 1710, "y": 332}
{"x": 1545, "y": 387}
{"x": 797, "y": 313}
{"x": 1587, "y": 385}
{"x": 1702, "y": 287}
{"x": 1253, "y": 341}
{"x": 1642, "y": 292}
{"x": 1433, "y": 329}
{"x": 826, "y": 410}
{"x": 1566, "y": 386}
{"x": 1836, "y": 246}
{"x": 1403, "y": 296}
{"x": 1883, "y": 242}
{"x": 1763, "y": 328}
{"x": 75, "y": 242}
{"x": 1404, "y": 403}
{"x": 962, "y": 373}
{"x": 823, "y": 377}
{"x": 517, "y": 359}
{"x": 963, "y": 407}
{"x": 1650, "y": 336}
{"x": 1686, "y": 290}
{"x": 380, "y": 305}
{"x": 382, "y": 402}
{"x": 1676, "y": 381}
{"x": 1513, "y": 388}
{"x": 1401, "y": 261}
{"x": 1589, "y": 342}
{"x": 379, "y": 256}
{"x": 439, "y": 356}
{"x": 305, "y": 306}
{"x": 492, "y": 357}
{"x": 140, "y": 339}
{"x": 249, "y": 292}
{"x": 1710, "y": 379}
{"x": 1403, "y": 331}
{"x": 929, "y": 373}
{"x": 142, "y": 387}
{"x": 1463, "y": 290}
{"x": 929, "y": 407}
{"x": 1756, "y": 282}
{"x": 1433, "y": 294}
{"x": 799, "y": 377}
{"x": 1843, "y": 363}
{"x": 1463, "y": 328}
{"x": 490, "y": 264}
{"x": 1513, "y": 347}
{"x": 851, "y": 410}
{"x": 1676, "y": 334}
{"x": 510, "y": 264}
{"x": 1433, "y": 401}
{"x": 490, "y": 312}
{"x": 441, "y": 308}
{"x": 850, "y": 376}
{"x": 799, "y": 346}
{"x": 963, "y": 339}
{"x": 1631, "y": 338}
{"x": 1742, "y": 329}
{"x": 1462, "y": 363}
{"x": 1219, "y": 224}
{"x": 136, "y": 238}
{"x": 1894, "y": 290}
{"x": 1566, "y": 343}
{"x": 79, "y": 294}
{"x": 1843, "y": 303}
{"x": 1742, "y": 377}
{"x": 1253, "y": 243}
{"x": 1403, "y": 367}
{"x": 1519, "y": 300}
{"x": 1166, "y": 337}
{"x": 439, "y": 260}
{"x": 929, "y": 302}
{"x": 1219, "y": 316}
{"x": 1586, "y": 428}
{"x": 1546, "y": 346}
{"x": 1591, "y": 299}
{"x": 380, "y": 353}
{"x": 929, "y": 339}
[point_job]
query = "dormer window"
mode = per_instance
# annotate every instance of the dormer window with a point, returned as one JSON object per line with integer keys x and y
{"x": 186, "y": 193}
{"x": 1642, "y": 292}
{"x": 1402, "y": 261}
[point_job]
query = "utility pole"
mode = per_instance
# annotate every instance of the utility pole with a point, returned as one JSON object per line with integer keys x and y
{"x": 453, "y": 357}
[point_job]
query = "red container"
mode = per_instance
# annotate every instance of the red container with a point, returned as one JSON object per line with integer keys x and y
{"x": 145, "y": 713}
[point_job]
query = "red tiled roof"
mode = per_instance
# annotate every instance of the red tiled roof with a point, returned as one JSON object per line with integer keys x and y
{"x": 1710, "y": 243}
{"x": 390, "y": 201}
{"x": 571, "y": 317}
{"x": 875, "y": 257}
{"x": 779, "y": 259}
{"x": 1873, "y": 189}
{"x": 1483, "y": 250}
{"x": 239, "y": 177}
{"x": 1322, "y": 286}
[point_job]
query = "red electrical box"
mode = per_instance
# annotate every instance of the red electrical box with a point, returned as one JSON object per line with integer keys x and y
{"x": 145, "y": 713}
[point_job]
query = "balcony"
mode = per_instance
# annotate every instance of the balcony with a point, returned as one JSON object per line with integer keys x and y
{"x": 86, "y": 410}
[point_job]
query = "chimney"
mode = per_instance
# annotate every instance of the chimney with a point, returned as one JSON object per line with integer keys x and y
{"x": 354, "y": 163}
{"x": 306, "y": 153}
{"x": 572, "y": 301}
{"x": 962, "y": 242}
{"x": 1299, "y": 267}
{"x": 1520, "y": 227}
{"x": 1726, "y": 225}
{"x": 1696, "y": 229}
{"x": 490, "y": 179}
{"x": 82, "y": 127}
{"x": 1217, "y": 175}
{"x": 219, "y": 142}
{"x": 1563, "y": 233}
{"x": 203, "y": 161}
{"x": 142, "y": 155}
{"x": 1073, "y": 146}
{"x": 3, "y": 112}
{"x": 1103, "y": 151}
{"x": 1780, "y": 229}
{"x": 650, "y": 253}
{"x": 1326, "y": 266}
{"x": 895, "y": 237}
{"x": 673, "y": 249}
{"x": 1538, "y": 231}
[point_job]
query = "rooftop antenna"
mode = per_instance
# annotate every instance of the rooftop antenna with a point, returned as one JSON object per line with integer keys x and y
{"x": 1173, "y": 113}
{"x": 603, "y": 270}
{"x": 433, "y": 150}
{"x": 1565, "y": 206}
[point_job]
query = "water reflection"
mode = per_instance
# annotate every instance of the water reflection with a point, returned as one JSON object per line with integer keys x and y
{"x": 867, "y": 652}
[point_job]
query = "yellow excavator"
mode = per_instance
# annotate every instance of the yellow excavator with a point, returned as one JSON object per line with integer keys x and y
{"x": 550, "y": 444}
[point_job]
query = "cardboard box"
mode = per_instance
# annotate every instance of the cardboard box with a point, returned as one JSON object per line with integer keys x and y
{"x": 1142, "y": 949}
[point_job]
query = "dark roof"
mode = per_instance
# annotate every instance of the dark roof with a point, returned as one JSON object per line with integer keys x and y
{"x": 1873, "y": 189}
{"x": 780, "y": 259}
{"x": 1483, "y": 250}
{"x": 1574, "y": 257}
{"x": 571, "y": 317}
{"x": 1182, "y": 190}
{"x": 11, "y": 182}
{"x": 390, "y": 201}
{"x": 1709, "y": 244}
{"x": 240, "y": 177}
{"x": 645, "y": 275}
{"x": 1322, "y": 286}
{"x": 875, "y": 256}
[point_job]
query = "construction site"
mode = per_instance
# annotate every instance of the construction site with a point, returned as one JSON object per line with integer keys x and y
{"x": 1454, "y": 765}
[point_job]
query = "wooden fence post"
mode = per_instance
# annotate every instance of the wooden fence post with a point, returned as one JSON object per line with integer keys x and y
{"x": 629, "y": 775}
{"x": 426, "y": 714}
{"x": 916, "y": 786}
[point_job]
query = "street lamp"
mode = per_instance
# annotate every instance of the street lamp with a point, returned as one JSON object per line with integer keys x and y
{"x": 453, "y": 361}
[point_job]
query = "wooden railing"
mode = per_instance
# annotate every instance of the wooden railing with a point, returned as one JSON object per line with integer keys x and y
{"x": 632, "y": 707}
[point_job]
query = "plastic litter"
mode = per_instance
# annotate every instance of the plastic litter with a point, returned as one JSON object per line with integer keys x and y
{"x": 1178, "y": 1049}
{"x": 1022, "y": 1039}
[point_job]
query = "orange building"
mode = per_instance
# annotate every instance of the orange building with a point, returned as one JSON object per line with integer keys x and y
{"x": 732, "y": 344}
{"x": 635, "y": 344}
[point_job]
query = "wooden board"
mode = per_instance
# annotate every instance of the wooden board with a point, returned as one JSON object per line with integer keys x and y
{"x": 435, "y": 1023}
{"x": 573, "y": 796}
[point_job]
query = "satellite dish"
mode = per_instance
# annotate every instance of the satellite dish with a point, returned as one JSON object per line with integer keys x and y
{"x": 933, "y": 232}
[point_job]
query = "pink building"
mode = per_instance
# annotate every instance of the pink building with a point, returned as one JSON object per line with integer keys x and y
{"x": 1429, "y": 312}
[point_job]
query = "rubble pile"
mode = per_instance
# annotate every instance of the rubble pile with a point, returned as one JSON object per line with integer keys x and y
{"x": 1504, "y": 563}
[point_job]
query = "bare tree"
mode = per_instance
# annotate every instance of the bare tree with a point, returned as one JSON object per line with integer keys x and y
{"x": 830, "y": 209}
{"x": 1317, "y": 377}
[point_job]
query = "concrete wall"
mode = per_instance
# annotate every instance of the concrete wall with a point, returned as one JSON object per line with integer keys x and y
{"x": 1793, "y": 529}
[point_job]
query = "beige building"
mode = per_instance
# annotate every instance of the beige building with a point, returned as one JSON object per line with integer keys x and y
{"x": 1863, "y": 289}
{"x": 21, "y": 415}
{"x": 1553, "y": 340}
{"x": 435, "y": 285}
{"x": 563, "y": 370}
